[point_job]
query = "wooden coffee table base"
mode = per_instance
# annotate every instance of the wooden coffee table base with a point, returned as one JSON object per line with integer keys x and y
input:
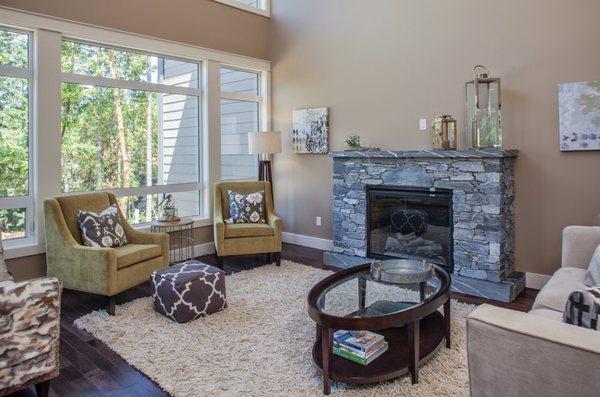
{"x": 395, "y": 362}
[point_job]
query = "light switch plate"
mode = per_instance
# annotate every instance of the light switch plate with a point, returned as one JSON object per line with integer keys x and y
{"x": 422, "y": 124}
{"x": 318, "y": 221}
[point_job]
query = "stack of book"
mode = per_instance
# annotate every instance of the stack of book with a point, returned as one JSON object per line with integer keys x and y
{"x": 362, "y": 347}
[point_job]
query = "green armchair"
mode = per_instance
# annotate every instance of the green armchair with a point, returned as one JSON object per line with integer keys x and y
{"x": 245, "y": 238}
{"x": 102, "y": 271}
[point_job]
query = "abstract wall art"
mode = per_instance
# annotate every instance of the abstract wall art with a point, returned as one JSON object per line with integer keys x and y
{"x": 579, "y": 116}
{"x": 310, "y": 132}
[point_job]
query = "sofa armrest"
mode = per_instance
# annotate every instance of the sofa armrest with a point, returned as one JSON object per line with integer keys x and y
{"x": 579, "y": 243}
{"x": 29, "y": 330}
{"x": 162, "y": 239}
{"x": 512, "y": 353}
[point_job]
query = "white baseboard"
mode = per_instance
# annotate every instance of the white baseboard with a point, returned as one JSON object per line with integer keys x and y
{"x": 536, "y": 281}
{"x": 307, "y": 241}
{"x": 204, "y": 249}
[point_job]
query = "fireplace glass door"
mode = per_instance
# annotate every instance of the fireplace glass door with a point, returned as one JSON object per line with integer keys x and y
{"x": 410, "y": 223}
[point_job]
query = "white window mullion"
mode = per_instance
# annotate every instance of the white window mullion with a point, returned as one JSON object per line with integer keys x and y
{"x": 11, "y": 71}
{"x": 235, "y": 96}
{"x": 128, "y": 84}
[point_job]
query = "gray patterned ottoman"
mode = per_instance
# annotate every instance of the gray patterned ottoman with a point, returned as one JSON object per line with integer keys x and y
{"x": 189, "y": 290}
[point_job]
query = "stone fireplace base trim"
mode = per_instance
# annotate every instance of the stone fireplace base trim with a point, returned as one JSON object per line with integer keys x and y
{"x": 505, "y": 291}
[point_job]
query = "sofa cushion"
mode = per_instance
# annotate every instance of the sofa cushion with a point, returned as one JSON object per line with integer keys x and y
{"x": 583, "y": 308}
{"x": 551, "y": 314}
{"x": 592, "y": 276}
{"x": 555, "y": 293}
{"x": 131, "y": 254}
{"x": 247, "y": 230}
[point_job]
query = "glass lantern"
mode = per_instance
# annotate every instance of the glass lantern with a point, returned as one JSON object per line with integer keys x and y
{"x": 483, "y": 123}
{"x": 443, "y": 133}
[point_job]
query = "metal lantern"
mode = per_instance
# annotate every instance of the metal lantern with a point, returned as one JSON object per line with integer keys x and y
{"x": 484, "y": 128}
{"x": 443, "y": 133}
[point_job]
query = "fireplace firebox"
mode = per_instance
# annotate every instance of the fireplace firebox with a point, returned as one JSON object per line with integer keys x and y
{"x": 411, "y": 223}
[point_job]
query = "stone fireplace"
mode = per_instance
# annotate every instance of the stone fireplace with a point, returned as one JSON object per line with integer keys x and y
{"x": 478, "y": 184}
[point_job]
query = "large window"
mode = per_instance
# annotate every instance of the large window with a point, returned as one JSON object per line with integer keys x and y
{"x": 240, "y": 114}
{"x": 131, "y": 125}
{"x": 16, "y": 196}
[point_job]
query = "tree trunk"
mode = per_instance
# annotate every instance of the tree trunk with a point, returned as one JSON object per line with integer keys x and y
{"x": 120, "y": 123}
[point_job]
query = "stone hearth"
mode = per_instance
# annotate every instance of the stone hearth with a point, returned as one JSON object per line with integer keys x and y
{"x": 482, "y": 184}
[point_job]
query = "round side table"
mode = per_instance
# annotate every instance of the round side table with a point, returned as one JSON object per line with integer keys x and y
{"x": 181, "y": 238}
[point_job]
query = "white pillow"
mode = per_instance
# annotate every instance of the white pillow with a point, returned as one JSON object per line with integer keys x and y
{"x": 592, "y": 277}
{"x": 4, "y": 274}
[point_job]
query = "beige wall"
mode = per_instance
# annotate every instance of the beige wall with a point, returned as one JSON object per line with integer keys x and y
{"x": 383, "y": 64}
{"x": 204, "y": 23}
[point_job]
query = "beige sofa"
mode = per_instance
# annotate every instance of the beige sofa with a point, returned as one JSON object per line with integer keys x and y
{"x": 512, "y": 353}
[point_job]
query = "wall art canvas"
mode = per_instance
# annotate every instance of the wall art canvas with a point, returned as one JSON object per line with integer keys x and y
{"x": 311, "y": 130}
{"x": 579, "y": 116}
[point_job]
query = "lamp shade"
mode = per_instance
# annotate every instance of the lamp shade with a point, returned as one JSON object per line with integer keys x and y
{"x": 268, "y": 142}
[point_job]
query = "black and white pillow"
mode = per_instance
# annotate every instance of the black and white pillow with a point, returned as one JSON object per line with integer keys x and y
{"x": 583, "y": 308}
{"x": 102, "y": 229}
{"x": 246, "y": 208}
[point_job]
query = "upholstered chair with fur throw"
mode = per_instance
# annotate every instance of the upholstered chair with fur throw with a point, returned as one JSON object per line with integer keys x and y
{"x": 98, "y": 270}
{"x": 29, "y": 332}
{"x": 250, "y": 236}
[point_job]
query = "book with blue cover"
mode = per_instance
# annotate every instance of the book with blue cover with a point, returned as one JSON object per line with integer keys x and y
{"x": 363, "y": 342}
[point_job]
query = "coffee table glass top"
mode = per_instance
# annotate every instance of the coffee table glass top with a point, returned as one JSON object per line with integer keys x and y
{"x": 360, "y": 295}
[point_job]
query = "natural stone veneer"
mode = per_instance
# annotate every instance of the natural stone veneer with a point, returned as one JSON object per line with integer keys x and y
{"x": 482, "y": 182}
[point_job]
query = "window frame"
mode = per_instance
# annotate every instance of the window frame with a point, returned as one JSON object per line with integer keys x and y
{"x": 264, "y": 9}
{"x": 28, "y": 201}
{"x": 109, "y": 82}
{"x": 45, "y": 106}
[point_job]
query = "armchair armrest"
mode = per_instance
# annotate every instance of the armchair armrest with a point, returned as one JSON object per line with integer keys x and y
{"x": 512, "y": 353}
{"x": 275, "y": 222}
{"x": 579, "y": 243}
{"x": 162, "y": 239}
{"x": 29, "y": 331}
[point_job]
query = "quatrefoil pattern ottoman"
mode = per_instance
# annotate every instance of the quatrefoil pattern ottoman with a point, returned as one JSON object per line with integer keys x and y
{"x": 189, "y": 290}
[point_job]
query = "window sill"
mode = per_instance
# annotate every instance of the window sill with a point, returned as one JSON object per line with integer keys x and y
{"x": 241, "y": 6}
{"x": 27, "y": 249}
{"x": 24, "y": 249}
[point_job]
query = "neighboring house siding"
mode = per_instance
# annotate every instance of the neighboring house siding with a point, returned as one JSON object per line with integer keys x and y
{"x": 178, "y": 134}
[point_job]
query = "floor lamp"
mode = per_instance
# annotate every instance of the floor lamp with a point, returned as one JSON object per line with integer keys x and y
{"x": 264, "y": 144}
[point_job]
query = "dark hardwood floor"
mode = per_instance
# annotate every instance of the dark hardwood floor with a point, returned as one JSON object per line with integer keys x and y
{"x": 90, "y": 368}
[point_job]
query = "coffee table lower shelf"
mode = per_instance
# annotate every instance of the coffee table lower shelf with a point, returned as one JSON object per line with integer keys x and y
{"x": 394, "y": 362}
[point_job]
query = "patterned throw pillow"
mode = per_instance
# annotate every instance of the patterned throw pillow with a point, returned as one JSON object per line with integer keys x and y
{"x": 4, "y": 273}
{"x": 246, "y": 208}
{"x": 102, "y": 229}
{"x": 583, "y": 308}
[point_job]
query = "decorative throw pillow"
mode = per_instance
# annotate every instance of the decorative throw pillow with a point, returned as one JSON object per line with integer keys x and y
{"x": 4, "y": 273}
{"x": 103, "y": 229}
{"x": 246, "y": 208}
{"x": 592, "y": 277}
{"x": 583, "y": 308}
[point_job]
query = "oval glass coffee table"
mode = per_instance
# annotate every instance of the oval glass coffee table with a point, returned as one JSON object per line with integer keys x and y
{"x": 405, "y": 314}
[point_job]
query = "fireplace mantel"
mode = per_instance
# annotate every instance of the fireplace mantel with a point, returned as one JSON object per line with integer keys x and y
{"x": 482, "y": 185}
{"x": 433, "y": 154}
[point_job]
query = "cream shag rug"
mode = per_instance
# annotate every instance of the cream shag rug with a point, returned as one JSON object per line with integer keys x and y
{"x": 260, "y": 345}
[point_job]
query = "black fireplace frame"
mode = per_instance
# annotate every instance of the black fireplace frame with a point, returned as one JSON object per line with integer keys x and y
{"x": 401, "y": 191}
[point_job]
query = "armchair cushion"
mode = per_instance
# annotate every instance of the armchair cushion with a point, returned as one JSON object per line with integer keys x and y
{"x": 131, "y": 254}
{"x": 248, "y": 230}
{"x": 555, "y": 293}
{"x": 102, "y": 229}
{"x": 246, "y": 208}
